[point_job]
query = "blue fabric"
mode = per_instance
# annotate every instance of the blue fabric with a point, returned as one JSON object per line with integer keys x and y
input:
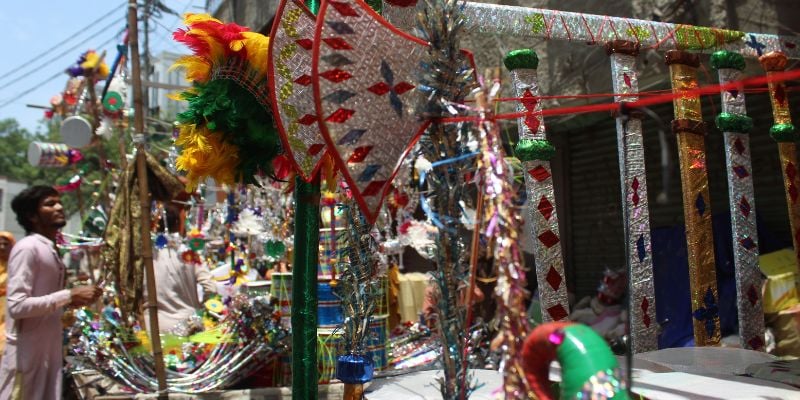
{"x": 671, "y": 274}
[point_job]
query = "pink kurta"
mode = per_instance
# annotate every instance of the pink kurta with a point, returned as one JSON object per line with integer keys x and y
{"x": 36, "y": 297}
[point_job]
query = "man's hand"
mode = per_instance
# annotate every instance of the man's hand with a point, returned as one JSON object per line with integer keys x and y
{"x": 84, "y": 295}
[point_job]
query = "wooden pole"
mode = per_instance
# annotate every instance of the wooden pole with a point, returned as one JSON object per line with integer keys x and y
{"x": 144, "y": 196}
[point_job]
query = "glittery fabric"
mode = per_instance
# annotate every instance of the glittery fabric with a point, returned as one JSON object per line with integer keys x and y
{"x": 290, "y": 67}
{"x": 633, "y": 179}
{"x": 697, "y": 214}
{"x": 503, "y": 218}
{"x": 780, "y": 102}
{"x": 366, "y": 96}
{"x": 541, "y": 203}
{"x": 401, "y": 17}
{"x": 743, "y": 219}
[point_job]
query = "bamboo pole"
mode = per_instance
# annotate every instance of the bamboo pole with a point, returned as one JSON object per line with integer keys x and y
{"x": 141, "y": 169}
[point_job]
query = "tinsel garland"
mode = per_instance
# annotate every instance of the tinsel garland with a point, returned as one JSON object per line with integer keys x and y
{"x": 503, "y": 219}
{"x": 251, "y": 337}
{"x": 447, "y": 79}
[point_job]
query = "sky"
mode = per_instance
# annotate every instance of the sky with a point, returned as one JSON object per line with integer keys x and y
{"x": 43, "y": 38}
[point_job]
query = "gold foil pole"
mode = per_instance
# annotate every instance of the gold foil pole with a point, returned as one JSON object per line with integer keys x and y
{"x": 636, "y": 213}
{"x": 784, "y": 133}
{"x": 690, "y": 130}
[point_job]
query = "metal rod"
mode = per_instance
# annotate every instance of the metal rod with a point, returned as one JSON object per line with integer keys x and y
{"x": 144, "y": 196}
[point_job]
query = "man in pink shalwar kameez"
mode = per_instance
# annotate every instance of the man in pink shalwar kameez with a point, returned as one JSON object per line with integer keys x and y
{"x": 33, "y": 358}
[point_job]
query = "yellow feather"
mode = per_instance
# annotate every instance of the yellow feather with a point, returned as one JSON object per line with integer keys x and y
{"x": 191, "y": 18}
{"x": 257, "y": 50}
{"x": 197, "y": 68}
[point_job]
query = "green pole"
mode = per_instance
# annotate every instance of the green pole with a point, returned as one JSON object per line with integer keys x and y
{"x": 304, "y": 289}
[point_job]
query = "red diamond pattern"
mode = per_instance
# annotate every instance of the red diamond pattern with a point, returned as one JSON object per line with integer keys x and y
{"x": 304, "y": 80}
{"x": 539, "y": 173}
{"x": 529, "y": 101}
{"x": 373, "y": 188}
{"x": 645, "y": 315}
{"x": 359, "y": 154}
{"x": 307, "y": 119}
{"x": 739, "y": 146}
{"x": 344, "y": 9}
{"x": 756, "y": 342}
{"x": 532, "y": 122}
{"x": 752, "y": 295}
{"x": 341, "y": 115}
{"x": 305, "y": 43}
{"x": 336, "y": 75}
{"x": 557, "y": 312}
{"x": 403, "y": 87}
{"x": 554, "y": 278}
{"x": 380, "y": 88}
{"x": 780, "y": 94}
{"x": 549, "y": 239}
{"x": 545, "y": 207}
{"x": 337, "y": 43}
{"x": 627, "y": 79}
{"x": 315, "y": 148}
{"x": 635, "y": 186}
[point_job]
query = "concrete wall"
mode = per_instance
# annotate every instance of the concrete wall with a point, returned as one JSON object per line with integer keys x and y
{"x": 8, "y": 220}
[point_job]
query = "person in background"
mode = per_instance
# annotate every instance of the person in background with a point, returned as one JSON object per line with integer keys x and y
{"x": 6, "y": 243}
{"x": 33, "y": 356}
{"x": 176, "y": 278}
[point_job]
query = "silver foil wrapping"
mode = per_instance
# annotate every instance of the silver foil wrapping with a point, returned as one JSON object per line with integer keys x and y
{"x": 743, "y": 220}
{"x": 541, "y": 204}
{"x": 636, "y": 212}
{"x": 598, "y": 29}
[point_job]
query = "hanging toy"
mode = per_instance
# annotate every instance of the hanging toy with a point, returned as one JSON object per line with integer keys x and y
{"x": 589, "y": 369}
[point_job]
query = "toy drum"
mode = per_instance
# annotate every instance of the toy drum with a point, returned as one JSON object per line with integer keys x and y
{"x": 329, "y": 345}
{"x": 281, "y": 291}
{"x": 41, "y": 154}
{"x": 330, "y": 253}
{"x": 76, "y": 131}
{"x": 329, "y": 311}
{"x": 376, "y": 342}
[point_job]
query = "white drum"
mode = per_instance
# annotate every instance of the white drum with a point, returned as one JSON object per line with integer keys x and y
{"x": 41, "y": 154}
{"x": 76, "y": 132}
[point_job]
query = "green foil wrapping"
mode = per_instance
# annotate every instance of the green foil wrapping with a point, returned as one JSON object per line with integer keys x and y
{"x": 783, "y": 133}
{"x": 521, "y": 58}
{"x": 727, "y": 59}
{"x": 313, "y": 6}
{"x": 534, "y": 149}
{"x": 728, "y": 122}
{"x": 304, "y": 289}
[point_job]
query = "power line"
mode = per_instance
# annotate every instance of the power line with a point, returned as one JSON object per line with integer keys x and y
{"x": 46, "y": 81}
{"x": 35, "y": 69}
{"x": 61, "y": 43}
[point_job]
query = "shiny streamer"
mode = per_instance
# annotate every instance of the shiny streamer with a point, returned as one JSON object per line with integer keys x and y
{"x": 541, "y": 203}
{"x": 743, "y": 217}
{"x": 592, "y": 29}
{"x": 787, "y": 149}
{"x": 633, "y": 179}
{"x": 502, "y": 222}
{"x": 696, "y": 200}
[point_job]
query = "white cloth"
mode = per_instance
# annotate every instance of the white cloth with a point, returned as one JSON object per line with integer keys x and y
{"x": 36, "y": 297}
{"x": 176, "y": 287}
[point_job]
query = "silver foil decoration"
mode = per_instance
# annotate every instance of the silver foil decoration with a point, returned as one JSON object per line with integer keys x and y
{"x": 636, "y": 212}
{"x": 598, "y": 29}
{"x": 541, "y": 204}
{"x": 743, "y": 219}
{"x": 290, "y": 68}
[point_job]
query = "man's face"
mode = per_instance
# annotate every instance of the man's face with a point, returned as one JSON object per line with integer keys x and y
{"x": 50, "y": 214}
{"x": 5, "y": 246}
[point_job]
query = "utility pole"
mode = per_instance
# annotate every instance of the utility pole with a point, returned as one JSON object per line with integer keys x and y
{"x": 148, "y": 5}
{"x": 139, "y": 138}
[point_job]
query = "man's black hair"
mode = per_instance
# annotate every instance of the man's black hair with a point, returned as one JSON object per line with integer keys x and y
{"x": 26, "y": 204}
